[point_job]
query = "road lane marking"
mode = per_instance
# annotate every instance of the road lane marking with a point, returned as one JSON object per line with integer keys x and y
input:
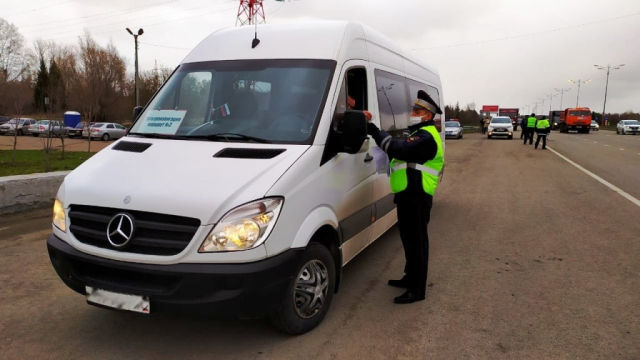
{"x": 621, "y": 149}
{"x": 599, "y": 179}
{"x": 606, "y": 145}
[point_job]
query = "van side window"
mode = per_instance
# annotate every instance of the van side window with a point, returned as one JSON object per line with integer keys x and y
{"x": 415, "y": 86}
{"x": 392, "y": 100}
{"x": 352, "y": 96}
{"x": 353, "y": 93}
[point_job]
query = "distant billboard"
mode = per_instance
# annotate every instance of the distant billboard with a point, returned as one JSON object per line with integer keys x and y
{"x": 490, "y": 108}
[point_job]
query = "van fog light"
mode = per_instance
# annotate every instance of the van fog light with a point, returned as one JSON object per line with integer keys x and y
{"x": 244, "y": 227}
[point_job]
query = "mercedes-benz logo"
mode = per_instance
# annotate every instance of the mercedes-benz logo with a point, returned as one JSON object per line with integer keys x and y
{"x": 120, "y": 230}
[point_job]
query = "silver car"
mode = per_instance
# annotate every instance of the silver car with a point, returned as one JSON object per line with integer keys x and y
{"x": 47, "y": 128}
{"x": 105, "y": 131}
{"x": 628, "y": 127}
{"x": 452, "y": 129}
{"x": 16, "y": 124}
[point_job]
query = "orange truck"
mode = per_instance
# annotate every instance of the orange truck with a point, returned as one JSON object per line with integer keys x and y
{"x": 578, "y": 119}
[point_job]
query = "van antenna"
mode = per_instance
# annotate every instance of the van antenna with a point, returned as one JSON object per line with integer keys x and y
{"x": 255, "y": 40}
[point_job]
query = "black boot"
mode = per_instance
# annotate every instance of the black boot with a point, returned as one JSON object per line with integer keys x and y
{"x": 402, "y": 283}
{"x": 409, "y": 297}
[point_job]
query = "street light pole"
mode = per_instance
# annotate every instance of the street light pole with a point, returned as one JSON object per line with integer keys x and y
{"x": 583, "y": 82}
{"x": 606, "y": 87}
{"x": 561, "y": 91}
{"x": 135, "y": 39}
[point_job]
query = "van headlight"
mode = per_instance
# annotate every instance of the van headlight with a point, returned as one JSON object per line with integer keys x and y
{"x": 59, "y": 218}
{"x": 244, "y": 227}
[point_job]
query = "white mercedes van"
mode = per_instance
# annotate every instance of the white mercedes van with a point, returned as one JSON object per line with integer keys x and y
{"x": 248, "y": 181}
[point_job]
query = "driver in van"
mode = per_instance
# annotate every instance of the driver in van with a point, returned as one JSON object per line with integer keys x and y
{"x": 416, "y": 165}
{"x": 351, "y": 105}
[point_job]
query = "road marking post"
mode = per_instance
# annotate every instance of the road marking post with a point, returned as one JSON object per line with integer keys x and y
{"x": 599, "y": 179}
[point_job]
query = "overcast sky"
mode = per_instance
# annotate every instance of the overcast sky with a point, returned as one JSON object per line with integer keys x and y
{"x": 503, "y": 52}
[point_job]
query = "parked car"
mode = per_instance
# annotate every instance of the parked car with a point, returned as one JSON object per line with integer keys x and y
{"x": 16, "y": 124}
{"x": 76, "y": 131}
{"x": 46, "y": 128}
{"x": 628, "y": 127}
{"x": 500, "y": 126}
{"x": 4, "y": 119}
{"x": 594, "y": 125}
{"x": 452, "y": 129}
{"x": 105, "y": 131}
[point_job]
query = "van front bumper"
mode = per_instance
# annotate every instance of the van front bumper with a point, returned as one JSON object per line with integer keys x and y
{"x": 243, "y": 289}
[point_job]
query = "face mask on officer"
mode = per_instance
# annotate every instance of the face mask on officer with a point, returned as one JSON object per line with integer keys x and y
{"x": 419, "y": 115}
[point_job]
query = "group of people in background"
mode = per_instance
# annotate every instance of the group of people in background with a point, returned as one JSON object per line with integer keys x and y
{"x": 540, "y": 127}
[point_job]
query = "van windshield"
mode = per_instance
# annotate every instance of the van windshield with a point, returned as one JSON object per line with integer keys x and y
{"x": 272, "y": 101}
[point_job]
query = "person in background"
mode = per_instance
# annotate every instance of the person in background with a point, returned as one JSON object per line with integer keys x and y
{"x": 542, "y": 129}
{"x": 529, "y": 128}
{"x": 416, "y": 166}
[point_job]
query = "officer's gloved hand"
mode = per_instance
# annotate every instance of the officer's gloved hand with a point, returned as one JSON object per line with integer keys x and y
{"x": 372, "y": 129}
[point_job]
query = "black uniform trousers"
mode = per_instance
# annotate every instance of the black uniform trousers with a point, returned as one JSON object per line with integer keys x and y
{"x": 544, "y": 140}
{"x": 413, "y": 218}
{"x": 528, "y": 135}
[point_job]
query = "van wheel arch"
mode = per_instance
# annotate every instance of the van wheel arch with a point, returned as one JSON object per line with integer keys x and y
{"x": 329, "y": 238}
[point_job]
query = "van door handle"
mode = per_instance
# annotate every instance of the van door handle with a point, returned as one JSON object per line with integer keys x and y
{"x": 368, "y": 158}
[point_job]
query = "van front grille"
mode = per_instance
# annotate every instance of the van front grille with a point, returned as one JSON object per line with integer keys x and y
{"x": 155, "y": 234}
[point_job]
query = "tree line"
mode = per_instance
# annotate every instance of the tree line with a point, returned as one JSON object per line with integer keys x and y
{"x": 50, "y": 78}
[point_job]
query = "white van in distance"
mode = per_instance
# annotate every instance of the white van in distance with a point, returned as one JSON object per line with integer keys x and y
{"x": 247, "y": 182}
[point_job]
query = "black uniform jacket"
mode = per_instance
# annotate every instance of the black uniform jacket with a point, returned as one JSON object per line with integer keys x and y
{"x": 417, "y": 148}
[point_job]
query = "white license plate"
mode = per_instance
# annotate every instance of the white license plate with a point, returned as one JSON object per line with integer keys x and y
{"x": 119, "y": 301}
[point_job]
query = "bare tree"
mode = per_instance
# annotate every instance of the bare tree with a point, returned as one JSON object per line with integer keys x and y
{"x": 19, "y": 95}
{"x": 15, "y": 61}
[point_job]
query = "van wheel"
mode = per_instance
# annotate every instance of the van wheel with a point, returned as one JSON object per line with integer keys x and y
{"x": 309, "y": 294}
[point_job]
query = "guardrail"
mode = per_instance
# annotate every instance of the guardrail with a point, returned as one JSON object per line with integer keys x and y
{"x": 24, "y": 192}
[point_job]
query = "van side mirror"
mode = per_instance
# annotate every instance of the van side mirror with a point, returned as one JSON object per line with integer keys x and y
{"x": 136, "y": 112}
{"x": 352, "y": 130}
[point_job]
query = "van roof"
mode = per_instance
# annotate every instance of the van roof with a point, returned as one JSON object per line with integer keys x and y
{"x": 317, "y": 39}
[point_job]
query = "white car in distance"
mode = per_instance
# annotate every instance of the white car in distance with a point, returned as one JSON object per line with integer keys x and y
{"x": 500, "y": 126}
{"x": 628, "y": 127}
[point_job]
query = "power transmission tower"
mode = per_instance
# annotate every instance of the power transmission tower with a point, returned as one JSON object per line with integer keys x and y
{"x": 250, "y": 12}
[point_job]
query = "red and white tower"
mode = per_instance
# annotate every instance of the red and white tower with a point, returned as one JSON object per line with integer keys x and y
{"x": 250, "y": 12}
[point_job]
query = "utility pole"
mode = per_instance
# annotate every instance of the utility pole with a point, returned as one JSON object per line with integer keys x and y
{"x": 561, "y": 91}
{"x": 135, "y": 39}
{"x": 583, "y": 82}
{"x": 550, "y": 101}
{"x": 606, "y": 87}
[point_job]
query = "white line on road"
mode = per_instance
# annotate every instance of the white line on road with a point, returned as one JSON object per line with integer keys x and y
{"x": 599, "y": 179}
{"x": 606, "y": 145}
{"x": 621, "y": 149}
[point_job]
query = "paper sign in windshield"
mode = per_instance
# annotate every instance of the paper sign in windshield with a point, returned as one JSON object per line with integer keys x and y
{"x": 163, "y": 121}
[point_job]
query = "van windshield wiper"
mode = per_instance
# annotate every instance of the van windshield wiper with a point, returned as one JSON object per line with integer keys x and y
{"x": 230, "y": 137}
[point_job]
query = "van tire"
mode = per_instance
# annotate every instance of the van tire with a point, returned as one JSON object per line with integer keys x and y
{"x": 287, "y": 317}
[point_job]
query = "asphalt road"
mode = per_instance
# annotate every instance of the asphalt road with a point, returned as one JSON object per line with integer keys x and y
{"x": 530, "y": 259}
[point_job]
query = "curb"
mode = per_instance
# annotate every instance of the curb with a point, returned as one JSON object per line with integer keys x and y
{"x": 25, "y": 192}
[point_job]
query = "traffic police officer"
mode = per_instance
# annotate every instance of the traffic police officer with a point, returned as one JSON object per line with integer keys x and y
{"x": 416, "y": 165}
{"x": 530, "y": 128}
{"x": 542, "y": 129}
